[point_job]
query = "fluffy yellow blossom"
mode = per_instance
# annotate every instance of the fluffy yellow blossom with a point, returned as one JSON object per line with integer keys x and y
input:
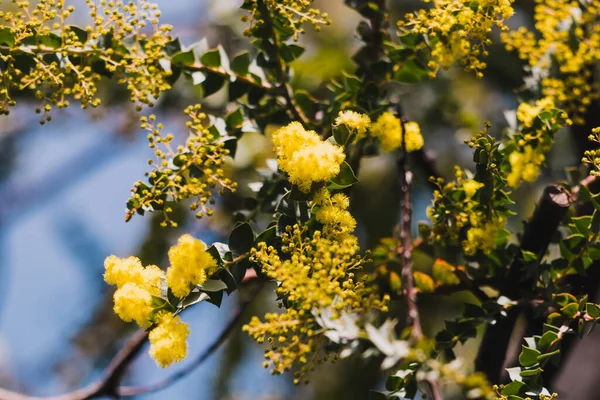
{"x": 526, "y": 112}
{"x": 153, "y": 278}
{"x": 315, "y": 271}
{"x": 564, "y": 52}
{"x": 119, "y": 271}
{"x": 168, "y": 341}
{"x": 333, "y": 212}
{"x": 457, "y": 30}
{"x": 133, "y": 303}
{"x": 524, "y": 166}
{"x": 389, "y": 131}
{"x": 190, "y": 265}
{"x": 471, "y": 186}
{"x": 482, "y": 236}
{"x": 466, "y": 222}
{"x": 135, "y": 287}
{"x": 357, "y": 122}
{"x": 305, "y": 157}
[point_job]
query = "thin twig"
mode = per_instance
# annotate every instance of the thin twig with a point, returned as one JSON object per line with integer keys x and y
{"x": 108, "y": 386}
{"x": 408, "y": 283}
{"x": 286, "y": 89}
{"x": 128, "y": 391}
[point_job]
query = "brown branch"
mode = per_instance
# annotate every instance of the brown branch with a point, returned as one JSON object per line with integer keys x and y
{"x": 108, "y": 386}
{"x": 128, "y": 391}
{"x": 552, "y": 207}
{"x": 408, "y": 283}
{"x": 105, "y": 386}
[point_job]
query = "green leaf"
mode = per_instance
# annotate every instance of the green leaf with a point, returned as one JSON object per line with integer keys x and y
{"x": 193, "y": 298}
{"x": 582, "y": 224}
{"x": 593, "y": 310}
{"x": 410, "y": 72}
{"x": 50, "y": 40}
{"x": 562, "y": 299}
{"x": 231, "y": 145}
{"x": 595, "y": 224}
{"x": 170, "y": 48}
{"x": 393, "y": 383}
{"x": 341, "y": 134}
{"x": 220, "y": 252}
{"x": 216, "y": 298}
{"x": 212, "y": 285}
{"x": 528, "y": 357}
{"x": 531, "y": 372}
{"x": 183, "y": 58}
{"x": 6, "y": 37}
{"x": 548, "y": 355}
{"x": 570, "y": 310}
{"x": 240, "y": 63}
{"x": 235, "y": 119}
{"x": 344, "y": 179}
{"x": 211, "y": 58}
{"x": 241, "y": 239}
{"x": 547, "y": 339}
{"x": 529, "y": 257}
{"x": 513, "y": 388}
{"x": 290, "y": 52}
{"x": 212, "y": 83}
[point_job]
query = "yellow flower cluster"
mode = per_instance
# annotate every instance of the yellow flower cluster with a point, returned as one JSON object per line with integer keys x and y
{"x": 333, "y": 213}
{"x": 526, "y": 112}
{"x": 458, "y": 30}
{"x": 168, "y": 341}
{"x": 140, "y": 294}
{"x": 568, "y": 43}
{"x": 524, "y": 165}
{"x": 592, "y": 157}
{"x": 356, "y": 123}
{"x": 66, "y": 62}
{"x": 483, "y": 233}
{"x": 290, "y": 13}
{"x": 388, "y": 129}
{"x": 190, "y": 265}
{"x": 193, "y": 171}
{"x": 471, "y": 186}
{"x": 314, "y": 272}
{"x": 135, "y": 287}
{"x": 305, "y": 157}
{"x": 475, "y": 229}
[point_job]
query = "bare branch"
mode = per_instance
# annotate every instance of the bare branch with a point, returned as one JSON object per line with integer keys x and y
{"x": 408, "y": 283}
{"x": 552, "y": 207}
{"x": 128, "y": 391}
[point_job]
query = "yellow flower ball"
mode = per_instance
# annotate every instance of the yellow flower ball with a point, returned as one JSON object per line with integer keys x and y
{"x": 190, "y": 265}
{"x": 168, "y": 341}
{"x": 119, "y": 271}
{"x": 389, "y": 131}
{"x": 304, "y": 157}
{"x": 132, "y": 303}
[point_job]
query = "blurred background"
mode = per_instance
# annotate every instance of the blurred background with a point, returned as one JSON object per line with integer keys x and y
{"x": 63, "y": 189}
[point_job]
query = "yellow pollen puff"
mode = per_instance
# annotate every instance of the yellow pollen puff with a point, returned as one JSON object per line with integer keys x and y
{"x": 526, "y": 112}
{"x": 190, "y": 265}
{"x": 358, "y": 122}
{"x": 168, "y": 341}
{"x": 471, "y": 186}
{"x": 524, "y": 166}
{"x": 305, "y": 157}
{"x": 119, "y": 271}
{"x": 132, "y": 303}
{"x": 389, "y": 131}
